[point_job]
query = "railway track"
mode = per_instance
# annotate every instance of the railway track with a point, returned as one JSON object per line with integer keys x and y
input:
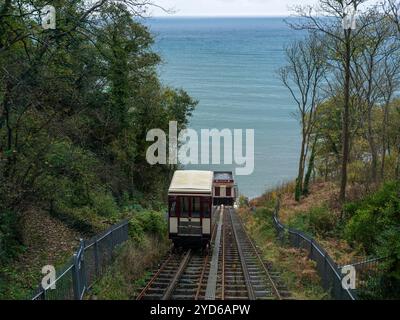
{"x": 241, "y": 274}
{"x": 177, "y": 278}
{"x": 181, "y": 276}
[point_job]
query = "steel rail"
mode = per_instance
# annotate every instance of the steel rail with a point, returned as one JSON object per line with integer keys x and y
{"x": 206, "y": 259}
{"x": 170, "y": 289}
{"x": 203, "y": 272}
{"x": 274, "y": 287}
{"x": 213, "y": 273}
{"x": 246, "y": 274}
{"x": 154, "y": 278}
{"x": 223, "y": 262}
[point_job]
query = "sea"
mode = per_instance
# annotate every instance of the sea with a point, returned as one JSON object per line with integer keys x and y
{"x": 230, "y": 66}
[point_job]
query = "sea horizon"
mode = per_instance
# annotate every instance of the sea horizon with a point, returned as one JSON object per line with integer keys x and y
{"x": 220, "y": 16}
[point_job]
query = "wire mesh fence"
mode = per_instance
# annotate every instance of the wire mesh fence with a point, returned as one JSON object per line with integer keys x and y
{"x": 330, "y": 273}
{"x": 367, "y": 270}
{"x": 88, "y": 263}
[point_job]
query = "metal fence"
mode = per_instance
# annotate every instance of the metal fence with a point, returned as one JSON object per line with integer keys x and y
{"x": 328, "y": 270}
{"x": 88, "y": 263}
{"x": 366, "y": 270}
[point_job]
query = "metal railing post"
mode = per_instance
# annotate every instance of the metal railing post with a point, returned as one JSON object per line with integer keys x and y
{"x": 76, "y": 274}
{"x": 325, "y": 277}
{"x": 75, "y": 278}
{"x": 83, "y": 268}
{"x": 96, "y": 258}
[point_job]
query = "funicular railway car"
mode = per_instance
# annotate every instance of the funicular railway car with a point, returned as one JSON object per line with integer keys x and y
{"x": 190, "y": 198}
{"x": 224, "y": 188}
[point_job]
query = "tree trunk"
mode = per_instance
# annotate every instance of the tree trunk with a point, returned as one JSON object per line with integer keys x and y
{"x": 371, "y": 142}
{"x": 346, "y": 116}
{"x": 310, "y": 170}
{"x": 300, "y": 177}
{"x": 397, "y": 173}
{"x": 6, "y": 118}
{"x": 384, "y": 139}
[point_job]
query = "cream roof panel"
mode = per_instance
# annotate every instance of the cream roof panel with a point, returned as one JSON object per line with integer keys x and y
{"x": 192, "y": 181}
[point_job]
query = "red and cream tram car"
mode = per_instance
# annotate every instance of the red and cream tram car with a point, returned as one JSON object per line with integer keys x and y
{"x": 224, "y": 188}
{"x": 190, "y": 199}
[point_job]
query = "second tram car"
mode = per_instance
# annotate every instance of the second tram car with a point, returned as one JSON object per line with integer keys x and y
{"x": 224, "y": 188}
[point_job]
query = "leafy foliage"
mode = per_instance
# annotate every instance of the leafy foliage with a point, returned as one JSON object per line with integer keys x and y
{"x": 76, "y": 104}
{"x": 318, "y": 221}
{"x": 8, "y": 240}
{"x": 375, "y": 224}
{"x": 147, "y": 222}
{"x": 373, "y": 217}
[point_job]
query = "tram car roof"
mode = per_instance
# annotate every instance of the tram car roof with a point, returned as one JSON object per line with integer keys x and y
{"x": 192, "y": 182}
{"x": 223, "y": 176}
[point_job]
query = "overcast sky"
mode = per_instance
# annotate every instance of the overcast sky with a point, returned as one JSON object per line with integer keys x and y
{"x": 230, "y": 7}
{"x": 227, "y": 7}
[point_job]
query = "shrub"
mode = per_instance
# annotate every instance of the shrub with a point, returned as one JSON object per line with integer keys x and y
{"x": 375, "y": 224}
{"x": 153, "y": 222}
{"x": 362, "y": 229}
{"x": 243, "y": 202}
{"x": 136, "y": 231}
{"x": 322, "y": 220}
{"x": 318, "y": 221}
{"x": 132, "y": 203}
{"x": 149, "y": 222}
{"x": 104, "y": 204}
{"x": 369, "y": 218}
{"x": 9, "y": 244}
